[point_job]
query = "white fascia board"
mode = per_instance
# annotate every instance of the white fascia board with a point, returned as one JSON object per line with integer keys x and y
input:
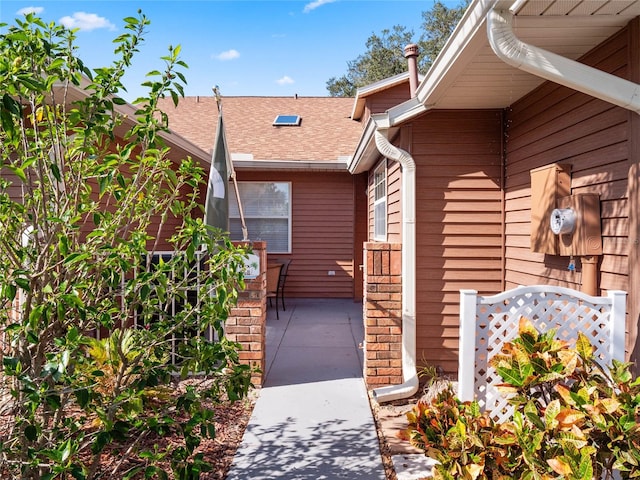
{"x": 402, "y": 112}
{"x": 361, "y": 159}
{"x": 325, "y": 165}
{"x": 367, "y": 152}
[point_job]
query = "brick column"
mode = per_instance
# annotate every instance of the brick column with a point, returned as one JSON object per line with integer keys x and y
{"x": 247, "y": 321}
{"x": 382, "y": 314}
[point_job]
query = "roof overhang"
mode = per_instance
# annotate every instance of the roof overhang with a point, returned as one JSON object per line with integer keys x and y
{"x": 180, "y": 147}
{"x": 363, "y": 92}
{"x": 243, "y": 161}
{"x": 469, "y": 75}
{"x": 366, "y": 154}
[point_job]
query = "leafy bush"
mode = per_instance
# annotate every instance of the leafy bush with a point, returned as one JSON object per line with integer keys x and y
{"x": 94, "y": 334}
{"x": 572, "y": 417}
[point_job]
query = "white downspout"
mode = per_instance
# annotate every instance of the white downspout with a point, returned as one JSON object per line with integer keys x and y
{"x": 556, "y": 68}
{"x": 409, "y": 372}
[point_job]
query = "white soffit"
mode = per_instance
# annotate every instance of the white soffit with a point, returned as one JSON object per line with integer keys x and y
{"x": 478, "y": 79}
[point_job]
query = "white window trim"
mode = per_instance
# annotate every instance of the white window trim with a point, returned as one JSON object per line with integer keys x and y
{"x": 382, "y": 168}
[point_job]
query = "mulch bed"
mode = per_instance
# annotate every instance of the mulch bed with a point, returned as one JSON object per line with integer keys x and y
{"x": 231, "y": 420}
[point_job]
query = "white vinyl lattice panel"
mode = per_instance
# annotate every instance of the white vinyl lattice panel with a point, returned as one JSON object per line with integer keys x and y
{"x": 486, "y": 323}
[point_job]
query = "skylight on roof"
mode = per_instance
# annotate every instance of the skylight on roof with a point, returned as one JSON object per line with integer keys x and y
{"x": 287, "y": 120}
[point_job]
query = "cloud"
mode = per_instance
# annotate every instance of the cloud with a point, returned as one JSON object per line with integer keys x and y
{"x": 286, "y": 80}
{"x": 315, "y": 4}
{"x": 27, "y": 10}
{"x": 86, "y": 21}
{"x": 228, "y": 55}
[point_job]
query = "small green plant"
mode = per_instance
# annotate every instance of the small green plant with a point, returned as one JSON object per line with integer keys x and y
{"x": 429, "y": 373}
{"x": 573, "y": 418}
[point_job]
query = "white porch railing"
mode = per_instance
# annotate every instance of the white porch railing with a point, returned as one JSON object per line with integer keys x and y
{"x": 486, "y": 323}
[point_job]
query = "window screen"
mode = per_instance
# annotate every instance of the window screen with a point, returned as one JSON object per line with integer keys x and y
{"x": 267, "y": 213}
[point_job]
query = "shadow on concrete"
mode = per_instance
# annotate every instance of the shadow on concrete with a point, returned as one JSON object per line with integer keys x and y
{"x": 329, "y": 450}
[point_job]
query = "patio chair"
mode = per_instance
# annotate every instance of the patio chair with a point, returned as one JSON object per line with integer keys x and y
{"x": 276, "y": 279}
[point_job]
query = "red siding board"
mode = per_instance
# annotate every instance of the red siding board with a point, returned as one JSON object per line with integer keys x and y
{"x": 457, "y": 156}
{"x": 323, "y": 228}
{"x": 555, "y": 124}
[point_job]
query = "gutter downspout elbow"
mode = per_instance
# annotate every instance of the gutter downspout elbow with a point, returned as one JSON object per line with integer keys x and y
{"x": 409, "y": 372}
{"x": 558, "y": 69}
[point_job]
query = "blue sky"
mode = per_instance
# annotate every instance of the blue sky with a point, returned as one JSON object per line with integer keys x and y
{"x": 247, "y": 48}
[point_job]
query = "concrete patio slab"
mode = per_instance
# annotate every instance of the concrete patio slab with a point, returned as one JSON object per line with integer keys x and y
{"x": 312, "y": 418}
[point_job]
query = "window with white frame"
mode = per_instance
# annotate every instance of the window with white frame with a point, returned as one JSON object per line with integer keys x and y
{"x": 267, "y": 213}
{"x": 380, "y": 202}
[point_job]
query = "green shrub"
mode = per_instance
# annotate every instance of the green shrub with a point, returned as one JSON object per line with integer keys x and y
{"x": 572, "y": 418}
{"x": 92, "y": 206}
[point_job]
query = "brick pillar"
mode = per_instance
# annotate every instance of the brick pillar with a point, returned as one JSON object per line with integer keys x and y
{"x": 382, "y": 314}
{"x": 247, "y": 321}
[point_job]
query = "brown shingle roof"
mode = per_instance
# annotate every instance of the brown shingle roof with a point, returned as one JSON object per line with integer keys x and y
{"x": 325, "y": 133}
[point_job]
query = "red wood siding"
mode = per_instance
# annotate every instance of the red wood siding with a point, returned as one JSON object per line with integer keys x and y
{"x": 360, "y": 233}
{"x": 555, "y": 124}
{"x": 14, "y": 190}
{"x": 459, "y": 222}
{"x": 634, "y": 200}
{"x": 394, "y": 202}
{"x": 371, "y": 200}
{"x": 385, "y": 99}
{"x": 168, "y": 228}
{"x": 323, "y": 225}
{"x": 391, "y": 97}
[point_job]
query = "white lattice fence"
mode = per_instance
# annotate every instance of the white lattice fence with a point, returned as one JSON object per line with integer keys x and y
{"x": 486, "y": 323}
{"x": 173, "y": 304}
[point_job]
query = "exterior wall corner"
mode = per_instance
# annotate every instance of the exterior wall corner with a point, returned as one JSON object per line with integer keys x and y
{"x": 247, "y": 321}
{"x": 382, "y": 314}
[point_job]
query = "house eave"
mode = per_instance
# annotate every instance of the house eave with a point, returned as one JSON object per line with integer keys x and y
{"x": 180, "y": 146}
{"x": 339, "y": 165}
{"x": 403, "y": 112}
{"x": 363, "y": 92}
{"x": 468, "y": 75}
{"x": 367, "y": 154}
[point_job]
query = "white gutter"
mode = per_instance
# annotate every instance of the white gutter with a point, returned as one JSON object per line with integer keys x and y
{"x": 325, "y": 166}
{"x": 556, "y": 68}
{"x": 409, "y": 372}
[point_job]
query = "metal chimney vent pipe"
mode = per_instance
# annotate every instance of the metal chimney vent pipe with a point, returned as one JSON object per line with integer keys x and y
{"x": 411, "y": 54}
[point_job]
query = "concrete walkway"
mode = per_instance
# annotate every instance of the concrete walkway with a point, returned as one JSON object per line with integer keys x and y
{"x": 312, "y": 419}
